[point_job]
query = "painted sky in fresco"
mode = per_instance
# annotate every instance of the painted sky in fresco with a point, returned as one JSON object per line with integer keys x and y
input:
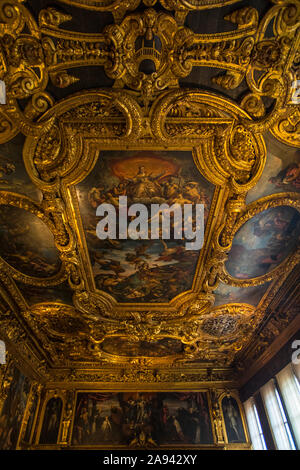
{"x": 59, "y": 294}
{"x": 13, "y": 175}
{"x": 281, "y": 172}
{"x": 142, "y": 270}
{"x": 26, "y": 243}
{"x": 226, "y": 294}
{"x": 263, "y": 242}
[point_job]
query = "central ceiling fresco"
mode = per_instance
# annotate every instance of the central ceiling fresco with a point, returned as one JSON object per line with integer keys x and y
{"x": 142, "y": 270}
{"x": 142, "y": 100}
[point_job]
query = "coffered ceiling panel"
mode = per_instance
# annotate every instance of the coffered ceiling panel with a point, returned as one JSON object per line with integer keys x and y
{"x": 162, "y": 102}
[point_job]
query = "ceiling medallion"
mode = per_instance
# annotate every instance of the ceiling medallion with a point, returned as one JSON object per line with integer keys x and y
{"x": 143, "y": 52}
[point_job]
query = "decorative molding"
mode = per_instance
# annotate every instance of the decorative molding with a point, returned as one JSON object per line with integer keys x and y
{"x": 143, "y": 111}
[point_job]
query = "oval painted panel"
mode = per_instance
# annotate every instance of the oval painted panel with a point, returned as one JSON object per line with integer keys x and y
{"x": 263, "y": 242}
{"x": 26, "y": 243}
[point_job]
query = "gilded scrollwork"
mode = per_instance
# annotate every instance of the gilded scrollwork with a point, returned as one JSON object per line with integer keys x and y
{"x": 175, "y": 50}
{"x": 230, "y": 148}
{"x": 181, "y": 7}
{"x": 284, "y": 199}
{"x": 144, "y": 111}
{"x": 277, "y": 312}
{"x": 23, "y": 69}
{"x": 287, "y": 128}
{"x": 25, "y": 203}
{"x": 273, "y": 58}
{"x": 118, "y": 9}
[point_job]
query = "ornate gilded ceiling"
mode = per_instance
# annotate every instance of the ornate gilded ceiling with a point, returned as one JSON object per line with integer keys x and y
{"x": 203, "y": 96}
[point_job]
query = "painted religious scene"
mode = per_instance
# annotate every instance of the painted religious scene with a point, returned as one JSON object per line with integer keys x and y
{"x": 142, "y": 270}
{"x": 142, "y": 419}
{"x": 281, "y": 173}
{"x": 26, "y": 243}
{"x": 50, "y": 428}
{"x": 13, "y": 175}
{"x": 123, "y": 346}
{"x": 263, "y": 242}
{"x": 13, "y": 410}
{"x": 233, "y": 420}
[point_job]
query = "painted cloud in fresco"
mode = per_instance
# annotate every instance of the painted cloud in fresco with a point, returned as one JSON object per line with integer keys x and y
{"x": 281, "y": 172}
{"x": 142, "y": 270}
{"x": 263, "y": 242}
{"x": 13, "y": 175}
{"x": 26, "y": 243}
{"x": 226, "y": 294}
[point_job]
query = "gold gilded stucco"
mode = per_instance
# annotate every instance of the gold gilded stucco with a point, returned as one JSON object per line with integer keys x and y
{"x": 80, "y": 344}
